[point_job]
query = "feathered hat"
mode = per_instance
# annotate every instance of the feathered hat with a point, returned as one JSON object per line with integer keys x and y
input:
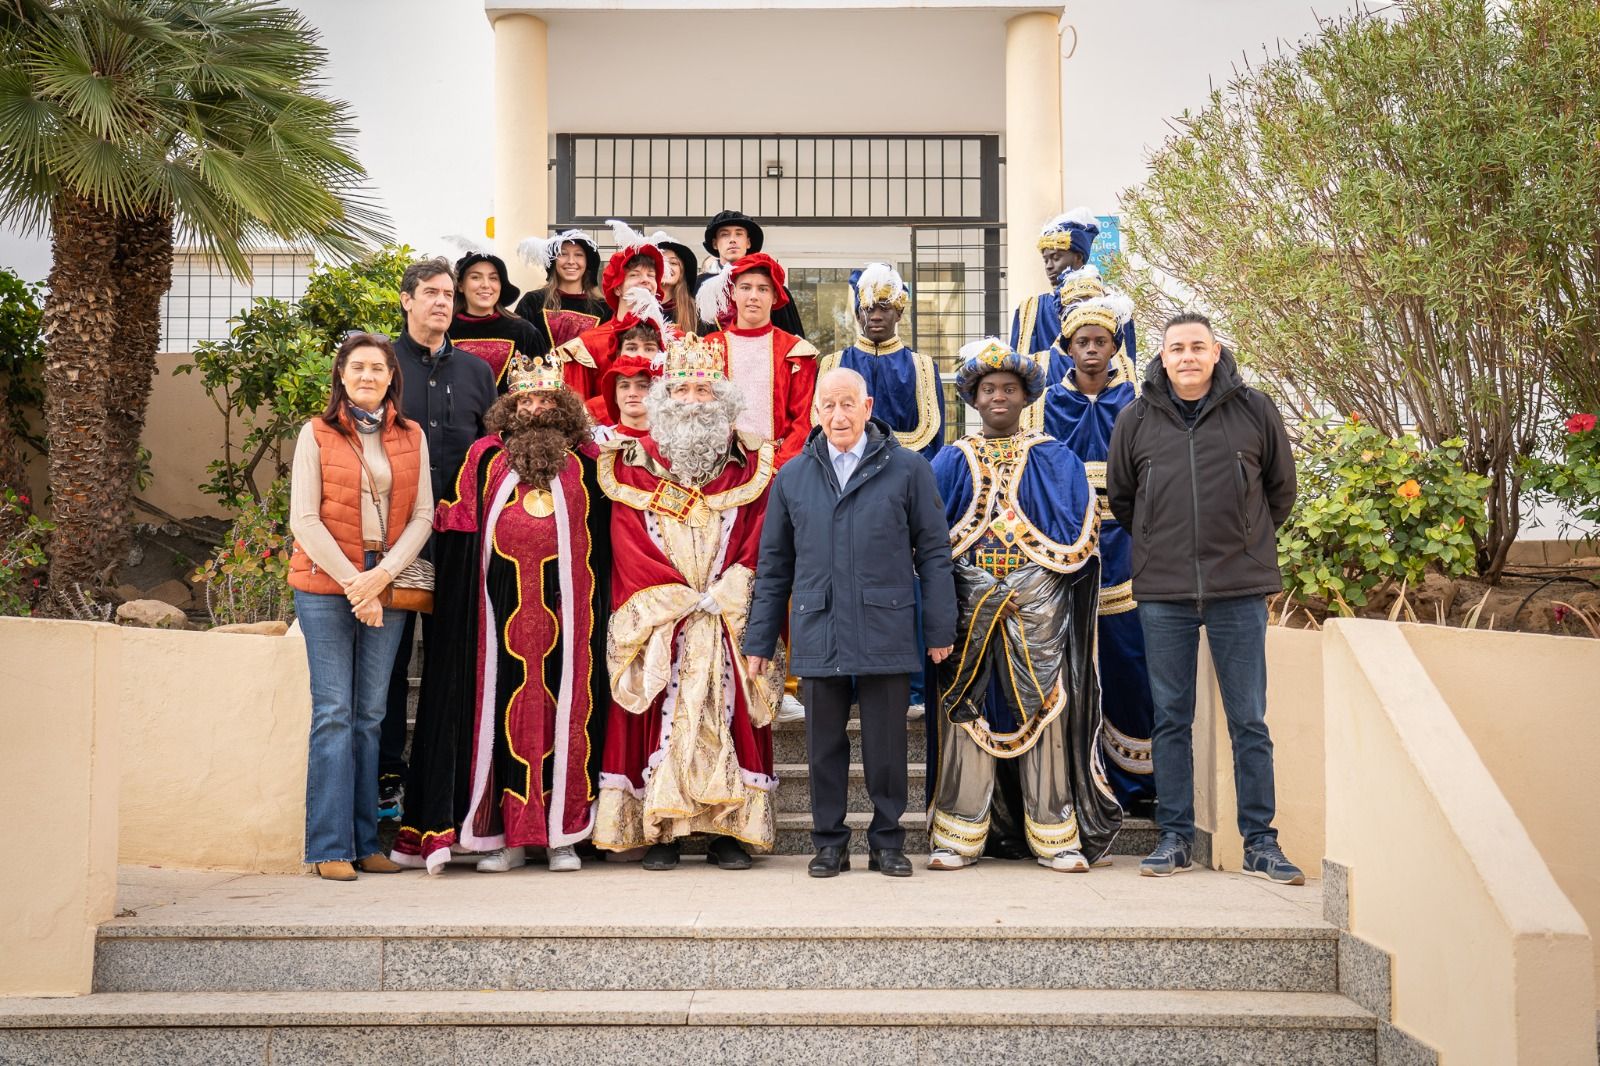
{"x": 1074, "y": 230}
{"x": 474, "y": 253}
{"x": 1080, "y": 284}
{"x": 980, "y": 358}
{"x": 691, "y": 262}
{"x": 637, "y": 307}
{"x": 1111, "y": 312}
{"x": 714, "y": 299}
{"x": 878, "y": 283}
{"x": 630, "y": 245}
{"x": 542, "y": 251}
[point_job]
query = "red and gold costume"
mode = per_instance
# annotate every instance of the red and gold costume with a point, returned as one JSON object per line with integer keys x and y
{"x": 688, "y": 739}
{"x": 512, "y": 705}
{"x": 775, "y": 371}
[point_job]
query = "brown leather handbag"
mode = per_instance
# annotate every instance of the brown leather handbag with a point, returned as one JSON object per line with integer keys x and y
{"x": 412, "y": 588}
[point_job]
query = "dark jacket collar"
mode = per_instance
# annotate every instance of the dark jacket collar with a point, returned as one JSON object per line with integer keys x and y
{"x": 1225, "y": 381}
{"x": 417, "y": 351}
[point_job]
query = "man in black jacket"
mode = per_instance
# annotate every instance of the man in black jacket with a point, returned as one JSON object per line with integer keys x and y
{"x": 447, "y": 391}
{"x": 854, "y": 524}
{"x": 1201, "y": 474}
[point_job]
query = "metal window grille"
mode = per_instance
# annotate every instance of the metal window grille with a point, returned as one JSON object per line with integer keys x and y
{"x": 849, "y": 179}
{"x": 958, "y": 289}
{"x": 204, "y": 296}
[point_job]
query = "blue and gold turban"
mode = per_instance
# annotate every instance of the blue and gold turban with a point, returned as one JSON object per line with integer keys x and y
{"x": 983, "y": 357}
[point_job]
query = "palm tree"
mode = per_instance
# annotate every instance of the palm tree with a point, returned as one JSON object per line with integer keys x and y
{"x": 126, "y": 125}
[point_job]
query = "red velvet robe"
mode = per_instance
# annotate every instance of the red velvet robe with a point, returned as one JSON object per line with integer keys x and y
{"x": 793, "y": 379}
{"x": 507, "y": 739}
{"x": 656, "y": 783}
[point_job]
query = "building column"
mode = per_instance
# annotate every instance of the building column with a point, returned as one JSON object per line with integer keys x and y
{"x": 521, "y": 137}
{"x": 1033, "y": 145}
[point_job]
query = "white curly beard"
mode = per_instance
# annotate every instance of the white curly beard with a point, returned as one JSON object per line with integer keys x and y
{"x": 693, "y": 437}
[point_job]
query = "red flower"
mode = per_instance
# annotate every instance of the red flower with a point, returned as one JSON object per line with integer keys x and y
{"x": 1580, "y": 423}
{"x": 22, "y": 500}
{"x": 1560, "y": 612}
{"x": 266, "y": 553}
{"x": 35, "y": 582}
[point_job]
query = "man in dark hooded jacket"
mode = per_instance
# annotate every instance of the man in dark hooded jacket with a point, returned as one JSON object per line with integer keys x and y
{"x": 854, "y": 526}
{"x": 1201, "y": 474}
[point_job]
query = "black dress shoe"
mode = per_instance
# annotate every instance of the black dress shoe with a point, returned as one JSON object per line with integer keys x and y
{"x": 726, "y": 853}
{"x": 661, "y": 856}
{"x": 891, "y": 862}
{"x": 828, "y": 861}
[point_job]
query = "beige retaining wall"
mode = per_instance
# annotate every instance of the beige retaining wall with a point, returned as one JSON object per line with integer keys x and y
{"x": 1491, "y": 963}
{"x": 1294, "y": 714}
{"x": 215, "y": 728}
{"x": 58, "y": 782}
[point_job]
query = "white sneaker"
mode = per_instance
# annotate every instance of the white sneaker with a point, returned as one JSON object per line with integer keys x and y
{"x": 791, "y": 710}
{"x": 945, "y": 859}
{"x": 915, "y": 711}
{"x": 1070, "y": 862}
{"x": 500, "y": 860}
{"x": 565, "y": 858}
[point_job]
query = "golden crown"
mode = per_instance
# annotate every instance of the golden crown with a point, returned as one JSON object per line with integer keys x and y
{"x": 533, "y": 375}
{"x": 881, "y": 293}
{"x": 692, "y": 358}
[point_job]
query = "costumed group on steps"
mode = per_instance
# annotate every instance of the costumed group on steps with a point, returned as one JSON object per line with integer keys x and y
{"x": 639, "y": 519}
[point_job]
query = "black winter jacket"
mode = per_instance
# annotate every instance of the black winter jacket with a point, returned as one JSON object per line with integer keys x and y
{"x": 844, "y": 564}
{"x": 1203, "y": 505}
{"x": 447, "y": 396}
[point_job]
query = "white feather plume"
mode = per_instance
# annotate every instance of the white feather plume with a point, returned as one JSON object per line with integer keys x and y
{"x": 715, "y": 296}
{"x": 624, "y": 235}
{"x": 880, "y": 275}
{"x": 1087, "y": 272}
{"x": 466, "y": 245}
{"x": 1116, "y": 302}
{"x": 542, "y": 251}
{"x": 1078, "y": 216}
{"x": 642, "y": 304}
{"x": 973, "y": 349}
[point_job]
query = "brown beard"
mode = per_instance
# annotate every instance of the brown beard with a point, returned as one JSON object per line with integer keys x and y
{"x": 538, "y": 446}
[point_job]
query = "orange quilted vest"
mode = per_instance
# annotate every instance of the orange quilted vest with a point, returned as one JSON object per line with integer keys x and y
{"x": 342, "y": 491}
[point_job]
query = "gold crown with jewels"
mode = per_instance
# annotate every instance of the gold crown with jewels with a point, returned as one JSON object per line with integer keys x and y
{"x": 533, "y": 375}
{"x": 692, "y": 358}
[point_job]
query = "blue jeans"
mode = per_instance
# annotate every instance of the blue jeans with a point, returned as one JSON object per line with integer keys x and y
{"x": 350, "y": 664}
{"x": 1236, "y": 630}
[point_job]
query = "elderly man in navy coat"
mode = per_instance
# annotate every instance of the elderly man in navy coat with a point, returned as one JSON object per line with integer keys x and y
{"x": 854, "y": 526}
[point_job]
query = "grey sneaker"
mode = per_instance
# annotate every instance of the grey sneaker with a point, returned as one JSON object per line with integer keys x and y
{"x": 1267, "y": 860}
{"x": 1170, "y": 857}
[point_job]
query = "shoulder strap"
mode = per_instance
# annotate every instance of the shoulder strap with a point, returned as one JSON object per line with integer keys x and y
{"x": 372, "y": 490}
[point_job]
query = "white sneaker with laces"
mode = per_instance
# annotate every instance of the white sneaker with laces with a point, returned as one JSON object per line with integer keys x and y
{"x": 1071, "y": 862}
{"x": 565, "y": 858}
{"x": 500, "y": 860}
{"x": 915, "y": 711}
{"x": 791, "y": 710}
{"x": 945, "y": 859}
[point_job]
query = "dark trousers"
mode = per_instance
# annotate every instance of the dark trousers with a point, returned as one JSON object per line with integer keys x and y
{"x": 1236, "y": 631}
{"x": 392, "y": 738}
{"x": 883, "y": 699}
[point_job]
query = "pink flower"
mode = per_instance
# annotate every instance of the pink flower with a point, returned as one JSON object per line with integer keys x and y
{"x": 1560, "y": 612}
{"x": 1580, "y": 423}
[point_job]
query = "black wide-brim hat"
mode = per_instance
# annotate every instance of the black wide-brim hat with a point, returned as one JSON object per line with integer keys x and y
{"x": 691, "y": 262}
{"x": 508, "y": 291}
{"x": 734, "y": 218}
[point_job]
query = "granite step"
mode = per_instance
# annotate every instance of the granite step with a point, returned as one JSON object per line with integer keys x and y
{"x": 893, "y": 1026}
{"x": 794, "y": 787}
{"x": 789, "y": 741}
{"x": 444, "y": 958}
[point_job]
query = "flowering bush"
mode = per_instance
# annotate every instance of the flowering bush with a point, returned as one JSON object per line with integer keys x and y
{"x": 246, "y": 580}
{"x": 21, "y": 553}
{"x": 1373, "y": 510}
{"x": 1573, "y": 481}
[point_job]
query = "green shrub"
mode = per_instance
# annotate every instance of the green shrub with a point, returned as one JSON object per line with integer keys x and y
{"x": 22, "y": 556}
{"x": 1573, "y": 480}
{"x": 272, "y": 373}
{"x": 1375, "y": 510}
{"x": 246, "y": 579}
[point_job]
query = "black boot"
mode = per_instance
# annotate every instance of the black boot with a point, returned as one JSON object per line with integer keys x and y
{"x": 661, "y": 856}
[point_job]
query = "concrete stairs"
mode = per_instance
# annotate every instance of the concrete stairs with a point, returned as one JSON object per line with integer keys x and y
{"x": 1005, "y": 962}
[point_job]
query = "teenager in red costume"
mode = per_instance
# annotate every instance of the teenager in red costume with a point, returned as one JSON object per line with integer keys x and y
{"x": 775, "y": 371}
{"x": 634, "y": 270}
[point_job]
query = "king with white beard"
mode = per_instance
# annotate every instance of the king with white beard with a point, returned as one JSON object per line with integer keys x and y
{"x": 688, "y": 745}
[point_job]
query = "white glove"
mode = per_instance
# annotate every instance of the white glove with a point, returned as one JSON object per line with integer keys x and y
{"x": 708, "y": 603}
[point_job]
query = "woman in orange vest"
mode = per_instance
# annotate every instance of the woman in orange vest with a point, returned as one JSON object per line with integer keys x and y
{"x": 360, "y": 471}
